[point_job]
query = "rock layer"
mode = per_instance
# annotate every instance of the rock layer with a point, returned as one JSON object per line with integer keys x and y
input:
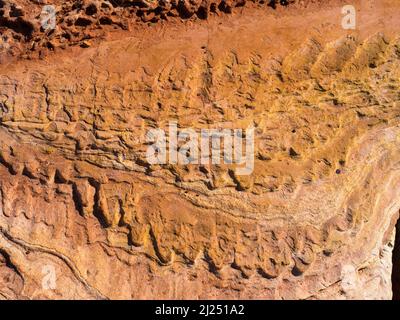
{"x": 314, "y": 220}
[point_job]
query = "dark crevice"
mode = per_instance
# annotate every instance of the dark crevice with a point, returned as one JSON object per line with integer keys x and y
{"x": 59, "y": 178}
{"x": 7, "y": 165}
{"x": 396, "y": 264}
{"x": 9, "y": 263}
{"x": 212, "y": 267}
{"x": 239, "y": 186}
{"x": 97, "y": 210}
{"x": 77, "y": 198}
{"x": 19, "y": 25}
{"x": 27, "y": 173}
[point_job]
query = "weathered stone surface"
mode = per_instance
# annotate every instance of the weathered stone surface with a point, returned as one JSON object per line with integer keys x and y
{"x": 314, "y": 220}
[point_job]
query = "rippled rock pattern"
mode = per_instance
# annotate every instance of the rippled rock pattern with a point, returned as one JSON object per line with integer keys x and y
{"x": 315, "y": 219}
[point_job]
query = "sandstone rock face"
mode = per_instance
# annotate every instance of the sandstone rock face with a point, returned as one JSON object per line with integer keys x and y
{"x": 83, "y": 214}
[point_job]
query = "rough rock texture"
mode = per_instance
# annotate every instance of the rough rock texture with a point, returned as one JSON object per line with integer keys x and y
{"x": 81, "y": 22}
{"x": 316, "y": 218}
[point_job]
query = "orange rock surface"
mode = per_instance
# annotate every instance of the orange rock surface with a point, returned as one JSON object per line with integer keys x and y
{"x": 315, "y": 219}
